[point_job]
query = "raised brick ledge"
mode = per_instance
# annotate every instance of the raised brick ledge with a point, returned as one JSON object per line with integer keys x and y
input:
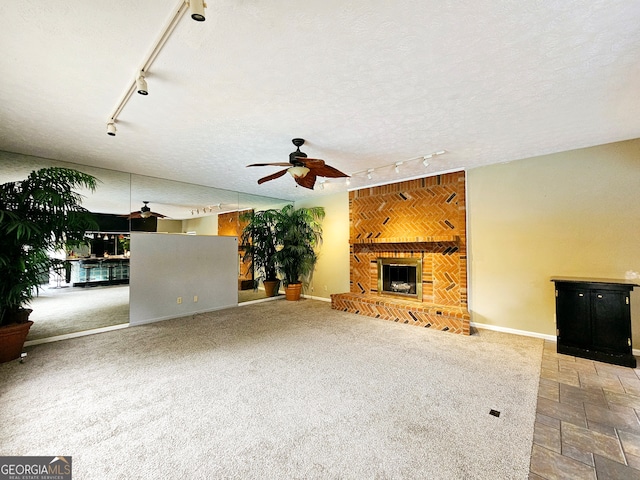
{"x": 441, "y": 317}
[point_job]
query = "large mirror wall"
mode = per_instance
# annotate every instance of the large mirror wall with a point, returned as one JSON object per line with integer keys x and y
{"x": 94, "y": 292}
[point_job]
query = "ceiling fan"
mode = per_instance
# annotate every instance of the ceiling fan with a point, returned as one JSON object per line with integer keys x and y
{"x": 145, "y": 212}
{"x": 304, "y": 170}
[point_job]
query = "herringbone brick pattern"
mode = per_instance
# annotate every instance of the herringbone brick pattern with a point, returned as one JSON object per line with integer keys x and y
{"x": 424, "y": 218}
{"x": 450, "y": 319}
{"x": 409, "y": 211}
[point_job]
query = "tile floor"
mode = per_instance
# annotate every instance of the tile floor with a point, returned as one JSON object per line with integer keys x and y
{"x": 587, "y": 423}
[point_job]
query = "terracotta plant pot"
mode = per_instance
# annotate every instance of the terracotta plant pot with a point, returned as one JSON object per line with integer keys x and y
{"x": 292, "y": 291}
{"x": 271, "y": 287}
{"x": 12, "y": 339}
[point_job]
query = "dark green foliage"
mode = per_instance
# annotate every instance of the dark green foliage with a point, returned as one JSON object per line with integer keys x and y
{"x": 283, "y": 241}
{"x": 298, "y": 232}
{"x": 259, "y": 241}
{"x": 38, "y": 215}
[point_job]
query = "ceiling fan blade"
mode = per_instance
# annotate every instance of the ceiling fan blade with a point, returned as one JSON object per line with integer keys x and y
{"x": 328, "y": 171}
{"x": 273, "y": 176}
{"x": 138, "y": 214}
{"x": 308, "y": 181}
{"x": 311, "y": 162}
{"x": 269, "y": 164}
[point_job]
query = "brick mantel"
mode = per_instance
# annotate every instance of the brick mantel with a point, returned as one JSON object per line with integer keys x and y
{"x": 433, "y": 239}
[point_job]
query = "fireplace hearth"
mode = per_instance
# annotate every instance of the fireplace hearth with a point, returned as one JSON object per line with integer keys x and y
{"x": 401, "y": 277}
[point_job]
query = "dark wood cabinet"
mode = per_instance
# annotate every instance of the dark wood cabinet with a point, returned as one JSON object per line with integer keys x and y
{"x": 593, "y": 319}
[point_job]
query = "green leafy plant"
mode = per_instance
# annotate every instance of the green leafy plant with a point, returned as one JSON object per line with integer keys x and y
{"x": 298, "y": 233}
{"x": 38, "y": 216}
{"x": 259, "y": 242}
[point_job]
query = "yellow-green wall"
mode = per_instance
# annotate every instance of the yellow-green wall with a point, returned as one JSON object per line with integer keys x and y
{"x": 201, "y": 225}
{"x": 574, "y": 213}
{"x": 169, "y": 226}
{"x": 332, "y": 270}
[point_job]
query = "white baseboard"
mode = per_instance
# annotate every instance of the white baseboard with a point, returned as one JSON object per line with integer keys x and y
{"x": 322, "y": 299}
{"x": 66, "y": 336}
{"x": 261, "y": 300}
{"x": 514, "y": 331}
{"x": 551, "y": 338}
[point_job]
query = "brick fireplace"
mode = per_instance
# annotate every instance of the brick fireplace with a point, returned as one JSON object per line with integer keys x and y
{"x": 422, "y": 220}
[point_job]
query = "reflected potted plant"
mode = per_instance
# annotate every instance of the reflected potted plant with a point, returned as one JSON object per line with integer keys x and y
{"x": 258, "y": 241}
{"x": 298, "y": 233}
{"x": 38, "y": 215}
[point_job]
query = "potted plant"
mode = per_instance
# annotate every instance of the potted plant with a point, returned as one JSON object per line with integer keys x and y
{"x": 298, "y": 232}
{"x": 259, "y": 243}
{"x": 38, "y": 215}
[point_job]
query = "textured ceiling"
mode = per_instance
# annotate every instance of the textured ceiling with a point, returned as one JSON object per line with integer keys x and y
{"x": 366, "y": 83}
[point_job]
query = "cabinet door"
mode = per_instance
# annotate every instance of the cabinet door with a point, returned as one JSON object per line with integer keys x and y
{"x": 572, "y": 318}
{"x": 611, "y": 321}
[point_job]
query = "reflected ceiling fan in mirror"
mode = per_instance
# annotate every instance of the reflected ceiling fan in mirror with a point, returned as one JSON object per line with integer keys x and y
{"x": 304, "y": 170}
{"x": 145, "y": 212}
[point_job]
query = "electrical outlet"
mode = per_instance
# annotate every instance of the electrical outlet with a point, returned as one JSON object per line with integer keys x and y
{"x": 195, "y": 299}
{"x": 325, "y": 288}
{"x": 179, "y": 300}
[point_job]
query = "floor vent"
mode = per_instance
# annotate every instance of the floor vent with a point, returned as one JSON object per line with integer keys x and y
{"x": 495, "y": 413}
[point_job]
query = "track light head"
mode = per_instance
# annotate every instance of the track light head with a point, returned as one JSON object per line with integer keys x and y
{"x": 111, "y": 129}
{"x": 197, "y": 10}
{"x": 141, "y": 85}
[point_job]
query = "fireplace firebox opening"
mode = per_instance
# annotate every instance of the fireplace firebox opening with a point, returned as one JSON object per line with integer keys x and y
{"x": 401, "y": 277}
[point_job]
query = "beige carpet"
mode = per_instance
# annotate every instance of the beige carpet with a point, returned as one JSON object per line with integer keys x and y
{"x": 59, "y": 311}
{"x": 276, "y": 390}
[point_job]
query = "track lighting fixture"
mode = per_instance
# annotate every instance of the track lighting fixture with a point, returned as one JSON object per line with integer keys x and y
{"x": 425, "y": 159}
{"x": 197, "y": 10}
{"x": 111, "y": 129}
{"x": 141, "y": 84}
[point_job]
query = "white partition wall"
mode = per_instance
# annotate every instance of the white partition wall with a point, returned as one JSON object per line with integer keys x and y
{"x": 176, "y": 275}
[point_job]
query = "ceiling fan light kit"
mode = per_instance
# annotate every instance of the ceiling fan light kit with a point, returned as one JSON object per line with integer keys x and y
{"x": 145, "y": 211}
{"x": 298, "y": 172}
{"x": 304, "y": 170}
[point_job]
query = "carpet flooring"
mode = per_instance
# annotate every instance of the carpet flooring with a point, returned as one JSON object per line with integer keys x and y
{"x": 277, "y": 390}
{"x": 76, "y": 309}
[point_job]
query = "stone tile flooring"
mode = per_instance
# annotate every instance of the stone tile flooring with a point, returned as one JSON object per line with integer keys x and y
{"x": 587, "y": 423}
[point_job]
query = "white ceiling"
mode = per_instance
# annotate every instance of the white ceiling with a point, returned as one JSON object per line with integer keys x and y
{"x": 367, "y": 83}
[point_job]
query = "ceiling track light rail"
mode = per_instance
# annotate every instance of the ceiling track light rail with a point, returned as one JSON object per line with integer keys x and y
{"x": 139, "y": 83}
{"x": 369, "y": 173}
